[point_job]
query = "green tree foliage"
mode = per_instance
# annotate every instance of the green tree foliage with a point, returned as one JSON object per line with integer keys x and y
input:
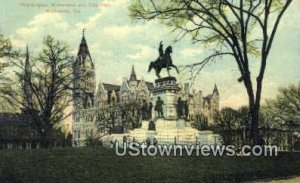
{"x": 285, "y": 108}
{"x": 284, "y": 111}
{"x": 228, "y": 27}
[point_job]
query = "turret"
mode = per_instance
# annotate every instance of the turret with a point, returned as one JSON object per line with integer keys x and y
{"x": 84, "y": 77}
{"x": 84, "y": 93}
{"x": 215, "y": 105}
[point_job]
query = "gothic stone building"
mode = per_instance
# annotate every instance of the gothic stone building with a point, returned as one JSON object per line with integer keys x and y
{"x": 199, "y": 104}
{"x": 130, "y": 90}
{"x": 89, "y": 102}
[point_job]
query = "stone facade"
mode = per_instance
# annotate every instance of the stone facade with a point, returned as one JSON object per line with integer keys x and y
{"x": 198, "y": 104}
{"x": 90, "y": 103}
{"x": 130, "y": 90}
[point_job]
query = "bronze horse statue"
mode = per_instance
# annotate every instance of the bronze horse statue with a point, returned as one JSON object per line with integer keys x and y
{"x": 163, "y": 61}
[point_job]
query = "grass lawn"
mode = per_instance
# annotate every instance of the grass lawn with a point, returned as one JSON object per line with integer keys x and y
{"x": 102, "y": 165}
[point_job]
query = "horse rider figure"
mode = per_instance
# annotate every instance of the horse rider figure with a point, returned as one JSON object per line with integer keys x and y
{"x": 165, "y": 57}
{"x": 163, "y": 61}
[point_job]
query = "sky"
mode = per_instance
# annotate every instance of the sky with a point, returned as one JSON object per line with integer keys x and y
{"x": 117, "y": 42}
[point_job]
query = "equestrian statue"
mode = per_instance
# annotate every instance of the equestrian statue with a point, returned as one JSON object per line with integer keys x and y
{"x": 163, "y": 61}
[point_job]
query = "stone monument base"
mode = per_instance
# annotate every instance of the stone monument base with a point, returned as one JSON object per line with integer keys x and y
{"x": 167, "y": 132}
{"x": 166, "y": 90}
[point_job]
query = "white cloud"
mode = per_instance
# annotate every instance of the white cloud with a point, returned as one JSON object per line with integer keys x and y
{"x": 42, "y": 21}
{"x": 91, "y": 23}
{"x": 116, "y": 43}
{"x": 41, "y": 25}
{"x": 191, "y": 52}
{"x": 142, "y": 53}
{"x": 18, "y": 43}
{"x": 121, "y": 32}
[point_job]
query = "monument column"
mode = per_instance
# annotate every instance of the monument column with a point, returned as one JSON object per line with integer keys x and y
{"x": 166, "y": 89}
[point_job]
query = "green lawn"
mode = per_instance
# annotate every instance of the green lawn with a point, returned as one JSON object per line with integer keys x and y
{"x": 102, "y": 165}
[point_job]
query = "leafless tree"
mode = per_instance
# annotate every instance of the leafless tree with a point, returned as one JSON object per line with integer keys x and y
{"x": 45, "y": 87}
{"x": 6, "y": 52}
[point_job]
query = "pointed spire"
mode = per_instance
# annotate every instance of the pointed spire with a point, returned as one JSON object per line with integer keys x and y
{"x": 132, "y": 75}
{"x": 216, "y": 91}
{"x": 26, "y": 79}
{"x": 83, "y": 52}
{"x": 83, "y": 48}
{"x": 27, "y": 63}
{"x": 83, "y": 41}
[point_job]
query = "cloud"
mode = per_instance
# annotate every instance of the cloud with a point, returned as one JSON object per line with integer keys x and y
{"x": 18, "y": 43}
{"x": 43, "y": 21}
{"x": 91, "y": 23}
{"x": 142, "y": 53}
{"x": 41, "y": 25}
{"x": 191, "y": 52}
{"x": 121, "y": 32}
{"x": 115, "y": 42}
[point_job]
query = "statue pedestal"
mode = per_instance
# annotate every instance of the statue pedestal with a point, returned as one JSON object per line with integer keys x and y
{"x": 166, "y": 89}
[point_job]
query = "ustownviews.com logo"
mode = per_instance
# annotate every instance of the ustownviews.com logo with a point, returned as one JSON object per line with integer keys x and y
{"x": 142, "y": 149}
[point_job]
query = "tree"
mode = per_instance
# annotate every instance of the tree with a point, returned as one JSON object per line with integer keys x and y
{"x": 267, "y": 124}
{"x": 201, "y": 122}
{"x": 5, "y": 47}
{"x": 117, "y": 118}
{"x": 228, "y": 120}
{"x": 45, "y": 88}
{"x": 285, "y": 108}
{"x": 227, "y": 25}
{"x": 6, "y": 52}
